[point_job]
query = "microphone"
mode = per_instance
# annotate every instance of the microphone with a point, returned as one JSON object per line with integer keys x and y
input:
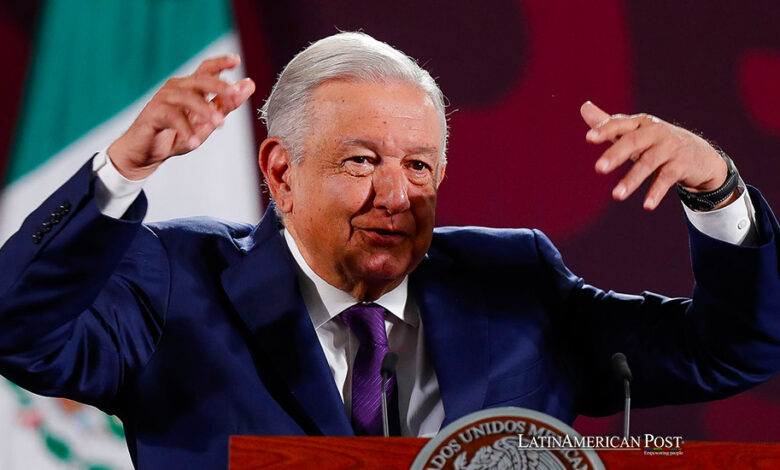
{"x": 389, "y": 363}
{"x": 620, "y": 367}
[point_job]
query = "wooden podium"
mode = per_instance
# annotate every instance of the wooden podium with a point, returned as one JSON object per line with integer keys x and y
{"x": 326, "y": 453}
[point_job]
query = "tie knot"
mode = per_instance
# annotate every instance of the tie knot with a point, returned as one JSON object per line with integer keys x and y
{"x": 367, "y": 322}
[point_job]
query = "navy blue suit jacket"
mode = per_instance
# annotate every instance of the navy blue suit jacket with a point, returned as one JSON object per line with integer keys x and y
{"x": 194, "y": 330}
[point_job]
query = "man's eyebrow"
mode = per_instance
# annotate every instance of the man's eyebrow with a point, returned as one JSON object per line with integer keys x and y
{"x": 423, "y": 150}
{"x": 372, "y": 146}
{"x": 358, "y": 143}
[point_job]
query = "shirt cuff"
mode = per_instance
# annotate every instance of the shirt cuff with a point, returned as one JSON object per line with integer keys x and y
{"x": 114, "y": 193}
{"x": 734, "y": 223}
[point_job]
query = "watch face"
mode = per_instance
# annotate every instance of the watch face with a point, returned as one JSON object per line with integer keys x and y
{"x": 729, "y": 162}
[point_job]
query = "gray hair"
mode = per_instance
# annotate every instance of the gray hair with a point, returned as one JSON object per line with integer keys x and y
{"x": 346, "y": 55}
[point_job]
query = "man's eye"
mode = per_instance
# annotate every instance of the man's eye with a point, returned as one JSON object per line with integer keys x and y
{"x": 417, "y": 165}
{"x": 359, "y": 160}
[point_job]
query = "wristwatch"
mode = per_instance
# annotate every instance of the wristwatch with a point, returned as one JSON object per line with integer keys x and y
{"x": 707, "y": 201}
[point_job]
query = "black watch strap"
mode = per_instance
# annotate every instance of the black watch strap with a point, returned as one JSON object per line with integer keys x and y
{"x": 707, "y": 201}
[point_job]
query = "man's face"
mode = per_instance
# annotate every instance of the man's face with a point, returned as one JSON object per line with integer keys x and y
{"x": 364, "y": 196}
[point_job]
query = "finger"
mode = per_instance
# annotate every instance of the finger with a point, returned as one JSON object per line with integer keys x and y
{"x": 228, "y": 102}
{"x": 613, "y": 128}
{"x": 647, "y": 164}
{"x": 630, "y": 145}
{"x": 167, "y": 116}
{"x": 592, "y": 114}
{"x": 196, "y": 104}
{"x": 207, "y": 84}
{"x": 217, "y": 65}
{"x": 665, "y": 178}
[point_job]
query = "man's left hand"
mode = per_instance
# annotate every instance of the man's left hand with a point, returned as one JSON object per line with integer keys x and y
{"x": 668, "y": 152}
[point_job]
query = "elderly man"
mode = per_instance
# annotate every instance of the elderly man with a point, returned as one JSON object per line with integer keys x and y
{"x": 194, "y": 330}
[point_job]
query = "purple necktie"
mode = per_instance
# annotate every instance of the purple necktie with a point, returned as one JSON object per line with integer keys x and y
{"x": 367, "y": 322}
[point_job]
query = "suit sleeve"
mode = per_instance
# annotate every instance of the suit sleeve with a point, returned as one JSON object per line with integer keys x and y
{"x": 82, "y": 297}
{"x": 722, "y": 341}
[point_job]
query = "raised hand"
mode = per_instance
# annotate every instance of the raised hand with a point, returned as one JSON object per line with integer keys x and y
{"x": 179, "y": 118}
{"x": 669, "y": 153}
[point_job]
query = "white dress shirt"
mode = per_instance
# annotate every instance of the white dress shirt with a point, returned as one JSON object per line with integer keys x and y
{"x": 420, "y": 405}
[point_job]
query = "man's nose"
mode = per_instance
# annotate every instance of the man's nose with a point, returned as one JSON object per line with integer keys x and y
{"x": 390, "y": 188}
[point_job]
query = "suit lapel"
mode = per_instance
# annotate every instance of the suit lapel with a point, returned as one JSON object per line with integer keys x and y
{"x": 455, "y": 325}
{"x": 263, "y": 288}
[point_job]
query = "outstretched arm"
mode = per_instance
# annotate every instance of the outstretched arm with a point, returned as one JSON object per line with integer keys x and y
{"x": 82, "y": 294}
{"x": 723, "y": 340}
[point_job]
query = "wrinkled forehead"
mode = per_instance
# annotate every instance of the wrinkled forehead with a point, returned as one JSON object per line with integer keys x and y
{"x": 391, "y": 112}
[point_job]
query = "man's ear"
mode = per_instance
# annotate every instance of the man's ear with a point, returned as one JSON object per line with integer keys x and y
{"x": 275, "y": 163}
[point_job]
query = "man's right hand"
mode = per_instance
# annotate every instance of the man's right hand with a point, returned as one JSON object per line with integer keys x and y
{"x": 179, "y": 118}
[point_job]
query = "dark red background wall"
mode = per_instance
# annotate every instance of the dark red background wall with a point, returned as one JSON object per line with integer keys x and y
{"x": 515, "y": 73}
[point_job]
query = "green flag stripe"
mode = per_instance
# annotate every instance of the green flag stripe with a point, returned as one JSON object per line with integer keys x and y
{"x": 92, "y": 58}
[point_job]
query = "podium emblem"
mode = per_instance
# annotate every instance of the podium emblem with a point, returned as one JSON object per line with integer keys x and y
{"x": 505, "y": 438}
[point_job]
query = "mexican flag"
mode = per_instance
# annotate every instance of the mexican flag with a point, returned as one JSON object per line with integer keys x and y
{"x": 95, "y": 65}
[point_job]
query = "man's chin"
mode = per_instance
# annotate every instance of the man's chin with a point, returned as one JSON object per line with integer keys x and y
{"x": 387, "y": 268}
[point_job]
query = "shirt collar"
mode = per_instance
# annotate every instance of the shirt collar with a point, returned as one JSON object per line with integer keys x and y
{"x": 336, "y": 300}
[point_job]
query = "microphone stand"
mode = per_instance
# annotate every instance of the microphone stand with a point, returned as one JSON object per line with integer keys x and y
{"x": 389, "y": 363}
{"x": 620, "y": 367}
